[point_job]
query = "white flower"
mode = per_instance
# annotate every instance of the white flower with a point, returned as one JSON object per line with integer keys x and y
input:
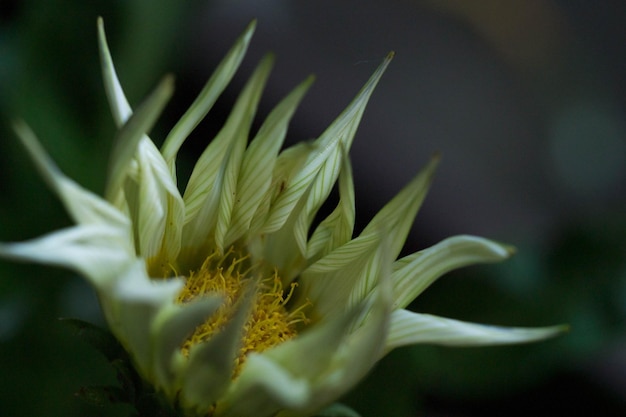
{"x": 224, "y": 303}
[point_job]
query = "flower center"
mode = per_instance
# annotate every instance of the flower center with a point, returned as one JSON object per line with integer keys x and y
{"x": 269, "y": 322}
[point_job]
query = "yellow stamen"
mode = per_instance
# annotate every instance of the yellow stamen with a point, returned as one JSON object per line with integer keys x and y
{"x": 269, "y": 322}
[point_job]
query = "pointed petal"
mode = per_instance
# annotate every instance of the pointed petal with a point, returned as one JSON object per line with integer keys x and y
{"x": 394, "y": 220}
{"x": 83, "y": 206}
{"x": 222, "y": 158}
{"x": 209, "y": 370}
{"x": 414, "y": 273}
{"x": 409, "y": 328}
{"x": 157, "y": 208}
{"x": 321, "y": 169}
{"x": 171, "y": 327}
{"x": 266, "y": 387}
{"x": 131, "y": 305}
{"x": 278, "y": 378}
{"x": 329, "y": 282}
{"x": 337, "y": 228}
{"x": 120, "y": 109}
{"x": 127, "y": 140}
{"x": 255, "y": 176}
{"x": 210, "y": 92}
{"x": 96, "y": 251}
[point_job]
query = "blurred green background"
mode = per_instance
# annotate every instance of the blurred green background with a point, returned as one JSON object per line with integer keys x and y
{"x": 525, "y": 99}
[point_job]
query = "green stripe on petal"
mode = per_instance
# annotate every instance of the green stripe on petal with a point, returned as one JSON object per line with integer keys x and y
{"x": 215, "y": 173}
{"x": 259, "y": 160}
{"x": 172, "y": 326}
{"x": 83, "y": 206}
{"x": 266, "y": 388}
{"x": 127, "y": 139}
{"x": 396, "y": 217}
{"x": 156, "y": 206}
{"x": 209, "y": 370}
{"x": 330, "y": 282}
{"x": 120, "y": 109}
{"x": 338, "y": 227}
{"x": 131, "y": 305}
{"x": 414, "y": 273}
{"x": 206, "y": 99}
{"x": 409, "y": 328}
{"x": 321, "y": 169}
{"x": 97, "y": 251}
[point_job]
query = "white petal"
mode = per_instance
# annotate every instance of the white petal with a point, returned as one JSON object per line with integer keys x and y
{"x": 216, "y": 171}
{"x": 96, "y": 251}
{"x": 172, "y": 326}
{"x": 131, "y": 305}
{"x": 209, "y": 370}
{"x": 409, "y": 328}
{"x": 321, "y": 169}
{"x": 265, "y": 388}
{"x": 337, "y": 228}
{"x": 414, "y": 273}
{"x": 210, "y": 92}
{"x": 84, "y": 206}
{"x": 120, "y": 109}
{"x": 127, "y": 139}
{"x": 259, "y": 160}
{"x": 394, "y": 220}
{"x": 279, "y": 378}
{"x": 159, "y": 213}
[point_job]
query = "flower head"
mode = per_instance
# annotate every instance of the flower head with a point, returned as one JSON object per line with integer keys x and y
{"x": 227, "y": 300}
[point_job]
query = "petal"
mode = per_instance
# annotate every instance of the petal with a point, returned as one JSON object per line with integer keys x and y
{"x": 157, "y": 207}
{"x": 208, "y": 373}
{"x": 127, "y": 139}
{"x": 209, "y": 195}
{"x": 210, "y": 92}
{"x": 329, "y": 282}
{"x": 265, "y": 389}
{"x": 394, "y": 220}
{"x": 279, "y": 378}
{"x": 337, "y": 228}
{"x": 120, "y": 109}
{"x": 98, "y": 252}
{"x": 83, "y": 206}
{"x": 131, "y": 305}
{"x": 321, "y": 169}
{"x": 409, "y": 328}
{"x": 259, "y": 160}
{"x": 172, "y": 326}
{"x": 414, "y": 273}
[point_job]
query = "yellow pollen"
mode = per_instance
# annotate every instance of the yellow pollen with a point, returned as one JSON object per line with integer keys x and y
{"x": 269, "y": 323}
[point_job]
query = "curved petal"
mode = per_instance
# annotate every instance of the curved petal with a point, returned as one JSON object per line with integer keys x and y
{"x": 266, "y": 388}
{"x": 131, "y": 305}
{"x": 321, "y": 169}
{"x": 157, "y": 207}
{"x": 209, "y": 195}
{"x": 409, "y": 328}
{"x": 414, "y": 273}
{"x": 208, "y": 372}
{"x": 83, "y": 206}
{"x": 207, "y": 97}
{"x": 96, "y": 251}
{"x": 171, "y": 327}
{"x": 259, "y": 160}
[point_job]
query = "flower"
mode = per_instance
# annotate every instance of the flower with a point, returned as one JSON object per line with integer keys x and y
{"x": 223, "y": 297}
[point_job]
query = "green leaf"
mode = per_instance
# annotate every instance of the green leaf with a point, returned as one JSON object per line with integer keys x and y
{"x": 102, "y": 340}
{"x": 102, "y": 395}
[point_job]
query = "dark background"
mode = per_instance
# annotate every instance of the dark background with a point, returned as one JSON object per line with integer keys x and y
{"x": 525, "y": 100}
